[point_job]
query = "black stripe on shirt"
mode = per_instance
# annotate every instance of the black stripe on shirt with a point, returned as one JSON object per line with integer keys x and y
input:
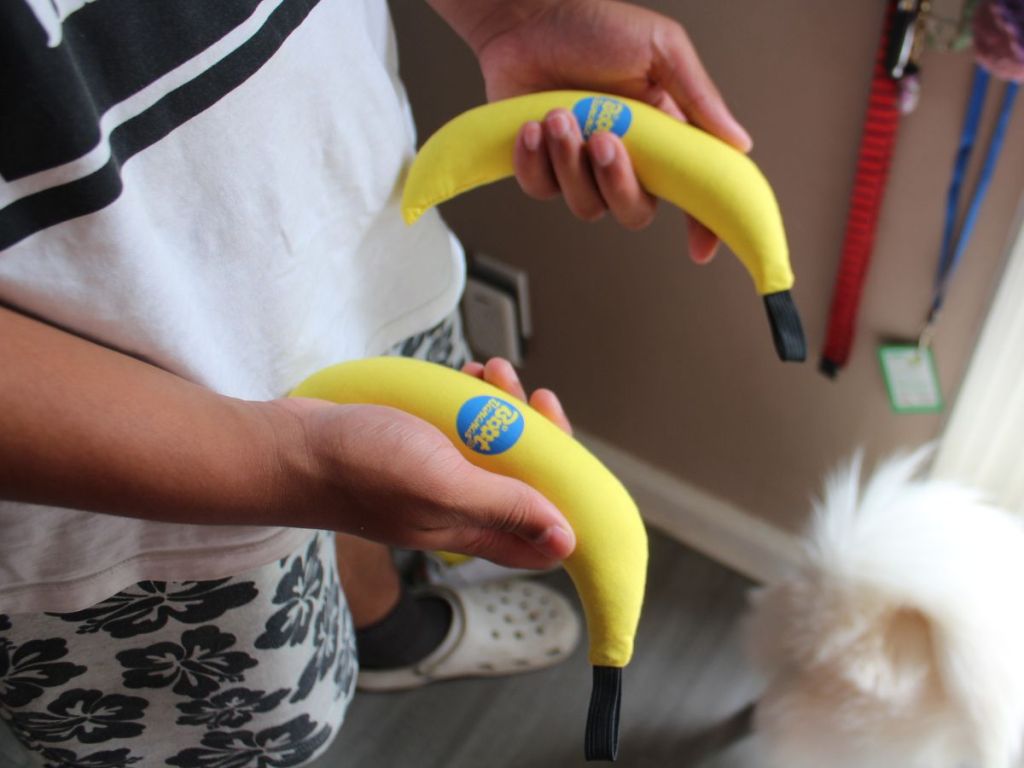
{"x": 99, "y": 189}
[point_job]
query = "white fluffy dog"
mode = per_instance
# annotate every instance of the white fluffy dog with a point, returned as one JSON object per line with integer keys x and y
{"x": 900, "y": 642}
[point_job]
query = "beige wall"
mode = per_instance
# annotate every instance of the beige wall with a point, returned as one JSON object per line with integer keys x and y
{"x": 674, "y": 362}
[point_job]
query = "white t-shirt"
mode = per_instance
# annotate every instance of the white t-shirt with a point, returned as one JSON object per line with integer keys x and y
{"x": 217, "y": 194}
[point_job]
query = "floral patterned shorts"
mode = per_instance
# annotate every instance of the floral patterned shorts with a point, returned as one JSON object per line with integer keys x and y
{"x": 253, "y": 670}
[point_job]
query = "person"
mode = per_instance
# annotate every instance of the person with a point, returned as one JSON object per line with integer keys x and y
{"x": 198, "y": 210}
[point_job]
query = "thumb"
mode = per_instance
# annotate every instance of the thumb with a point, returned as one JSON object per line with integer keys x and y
{"x": 510, "y": 520}
{"x": 679, "y": 71}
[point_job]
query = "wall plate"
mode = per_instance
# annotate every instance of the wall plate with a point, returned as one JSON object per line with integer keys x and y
{"x": 491, "y": 321}
{"x": 510, "y": 279}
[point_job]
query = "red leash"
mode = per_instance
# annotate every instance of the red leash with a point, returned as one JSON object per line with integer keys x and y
{"x": 876, "y": 147}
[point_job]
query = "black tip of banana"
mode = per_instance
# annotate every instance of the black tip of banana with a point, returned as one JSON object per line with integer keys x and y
{"x": 602, "y": 739}
{"x": 787, "y": 331}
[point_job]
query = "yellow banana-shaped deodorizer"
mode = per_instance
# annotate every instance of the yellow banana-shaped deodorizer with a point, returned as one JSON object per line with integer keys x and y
{"x": 717, "y": 184}
{"x": 501, "y": 434}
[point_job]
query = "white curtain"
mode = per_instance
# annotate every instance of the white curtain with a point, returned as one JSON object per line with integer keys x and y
{"x": 984, "y": 441}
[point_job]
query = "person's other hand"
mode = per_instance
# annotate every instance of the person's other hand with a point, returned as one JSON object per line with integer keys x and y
{"x": 499, "y": 372}
{"x": 536, "y": 45}
{"x": 383, "y": 474}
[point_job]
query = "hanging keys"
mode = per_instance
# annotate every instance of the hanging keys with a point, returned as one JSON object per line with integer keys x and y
{"x": 901, "y": 40}
{"x": 906, "y": 67}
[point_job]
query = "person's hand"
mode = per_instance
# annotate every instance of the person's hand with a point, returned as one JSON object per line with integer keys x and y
{"x": 536, "y": 45}
{"x": 385, "y": 475}
{"x": 499, "y": 372}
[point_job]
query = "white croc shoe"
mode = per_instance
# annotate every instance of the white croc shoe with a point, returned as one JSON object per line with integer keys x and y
{"x": 501, "y": 628}
{"x": 469, "y": 572}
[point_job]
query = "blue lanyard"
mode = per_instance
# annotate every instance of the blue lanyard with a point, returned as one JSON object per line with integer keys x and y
{"x": 953, "y": 251}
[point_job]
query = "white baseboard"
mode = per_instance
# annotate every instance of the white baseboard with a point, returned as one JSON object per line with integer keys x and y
{"x": 700, "y": 520}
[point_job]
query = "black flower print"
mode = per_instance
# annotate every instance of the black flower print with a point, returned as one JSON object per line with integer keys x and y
{"x": 325, "y": 643}
{"x": 86, "y": 715}
{"x": 438, "y": 345}
{"x": 65, "y": 758}
{"x": 229, "y": 709}
{"x": 279, "y": 747}
{"x": 195, "y": 668}
{"x": 148, "y": 606}
{"x": 298, "y": 592}
{"x": 27, "y": 669}
{"x": 347, "y": 666}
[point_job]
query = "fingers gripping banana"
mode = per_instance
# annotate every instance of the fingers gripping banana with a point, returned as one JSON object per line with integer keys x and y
{"x": 717, "y": 184}
{"x": 609, "y": 564}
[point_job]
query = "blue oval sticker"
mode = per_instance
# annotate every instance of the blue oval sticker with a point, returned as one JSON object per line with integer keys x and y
{"x": 600, "y": 113}
{"x": 489, "y": 425}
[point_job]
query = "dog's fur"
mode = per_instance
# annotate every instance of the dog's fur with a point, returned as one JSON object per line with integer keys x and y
{"x": 900, "y": 643}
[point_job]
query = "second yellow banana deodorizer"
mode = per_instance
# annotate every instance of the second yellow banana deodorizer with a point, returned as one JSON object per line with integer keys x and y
{"x": 503, "y": 435}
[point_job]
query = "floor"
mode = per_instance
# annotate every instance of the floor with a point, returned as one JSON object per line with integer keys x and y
{"x": 687, "y": 677}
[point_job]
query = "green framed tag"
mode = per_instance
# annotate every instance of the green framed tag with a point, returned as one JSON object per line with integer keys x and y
{"x": 910, "y": 378}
